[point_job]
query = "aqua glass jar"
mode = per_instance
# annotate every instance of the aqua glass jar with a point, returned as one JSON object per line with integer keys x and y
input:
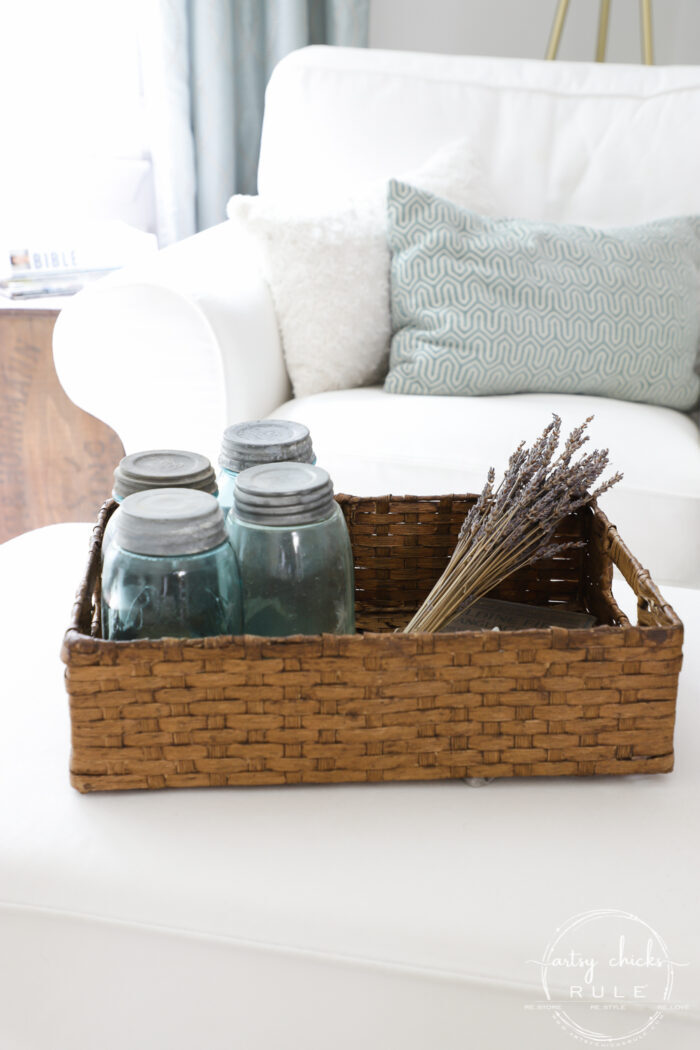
{"x": 258, "y": 441}
{"x": 293, "y": 550}
{"x": 155, "y": 469}
{"x": 170, "y": 570}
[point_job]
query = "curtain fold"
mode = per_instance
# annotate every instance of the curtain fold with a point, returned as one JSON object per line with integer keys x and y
{"x": 162, "y": 29}
{"x": 233, "y": 47}
{"x": 204, "y": 68}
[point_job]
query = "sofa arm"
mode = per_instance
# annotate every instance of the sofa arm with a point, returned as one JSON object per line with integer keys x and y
{"x": 171, "y": 351}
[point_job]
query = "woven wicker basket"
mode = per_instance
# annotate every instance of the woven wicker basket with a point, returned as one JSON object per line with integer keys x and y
{"x": 381, "y": 705}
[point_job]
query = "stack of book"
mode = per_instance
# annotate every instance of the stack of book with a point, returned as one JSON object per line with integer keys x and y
{"x": 30, "y": 269}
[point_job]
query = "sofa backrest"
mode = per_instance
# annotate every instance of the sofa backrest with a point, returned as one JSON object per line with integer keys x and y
{"x": 562, "y": 141}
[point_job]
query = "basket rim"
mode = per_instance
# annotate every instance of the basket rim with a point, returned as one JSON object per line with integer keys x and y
{"x": 77, "y": 640}
{"x": 73, "y": 637}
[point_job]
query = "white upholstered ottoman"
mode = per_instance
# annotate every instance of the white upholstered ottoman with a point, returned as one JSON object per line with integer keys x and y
{"x": 383, "y": 916}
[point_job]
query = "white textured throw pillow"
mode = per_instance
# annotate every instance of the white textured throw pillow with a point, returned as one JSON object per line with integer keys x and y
{"x": 328, "y": 271}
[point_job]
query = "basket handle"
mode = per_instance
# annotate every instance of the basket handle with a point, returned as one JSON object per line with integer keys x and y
{"x": 652, "y": 609}
{"x": 86, "y": 608}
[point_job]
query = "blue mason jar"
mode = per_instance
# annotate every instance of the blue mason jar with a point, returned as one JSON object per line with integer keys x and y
{"x": 155, "y": 469}
{"x": 170, "y": 570}
{"x": 248, "y": 444}
{"x": 293, "y": 550}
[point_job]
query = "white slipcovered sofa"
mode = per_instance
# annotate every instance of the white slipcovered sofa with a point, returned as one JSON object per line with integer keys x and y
{"x": 170, "y": 354}
{"x": 384, "y": 916}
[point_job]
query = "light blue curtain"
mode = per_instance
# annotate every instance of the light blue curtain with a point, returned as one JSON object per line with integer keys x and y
{"x": 234, "y": 45}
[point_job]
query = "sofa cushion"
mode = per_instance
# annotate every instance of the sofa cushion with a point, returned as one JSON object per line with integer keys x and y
{"x": 508, "y": 306}
{"x": 327, "y": 265}
{"x": 374, "y": 443}
{"x": 582, "y": 142}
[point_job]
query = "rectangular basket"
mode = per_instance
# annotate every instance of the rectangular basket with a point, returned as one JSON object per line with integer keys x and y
{"x": 381, "y": 705}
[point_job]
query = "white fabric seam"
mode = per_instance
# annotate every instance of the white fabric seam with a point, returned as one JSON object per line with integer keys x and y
{"x": 517, "y": 87}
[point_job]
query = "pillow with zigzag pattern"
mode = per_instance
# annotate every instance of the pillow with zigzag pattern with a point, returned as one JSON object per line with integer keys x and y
{"x": 507, "y": 306}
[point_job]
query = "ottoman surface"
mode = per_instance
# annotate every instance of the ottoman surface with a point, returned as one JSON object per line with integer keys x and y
{"x": 389, "y": 915}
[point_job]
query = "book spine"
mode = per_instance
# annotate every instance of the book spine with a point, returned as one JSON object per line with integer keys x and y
{"x": 53, "y": 260}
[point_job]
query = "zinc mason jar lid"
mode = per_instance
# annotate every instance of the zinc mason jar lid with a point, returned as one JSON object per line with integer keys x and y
{"x": 163, "y": 468}
{"x": 246, "y": 445}
{"x": 169, "y": 522}
{"x": 283, "y": 494}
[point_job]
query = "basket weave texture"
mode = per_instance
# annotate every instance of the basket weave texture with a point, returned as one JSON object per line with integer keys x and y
{"x": 381, "y": 705}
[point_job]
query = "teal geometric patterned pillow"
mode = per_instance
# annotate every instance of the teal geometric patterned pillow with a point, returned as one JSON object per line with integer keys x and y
{"x": 506, "y": 306}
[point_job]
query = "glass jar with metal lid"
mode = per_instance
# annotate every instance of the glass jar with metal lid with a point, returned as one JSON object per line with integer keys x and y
{"x": 293, "y": 550}
{"x": 155, "y": 469}
{"x": 170, "y": 570}
{"x": 259, "y": 441}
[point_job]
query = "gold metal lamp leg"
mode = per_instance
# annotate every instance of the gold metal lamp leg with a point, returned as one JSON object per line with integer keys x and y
{"x": 647, "y": 44}
{"x": 557, "y": 26}
{"x": 603, "y": 20}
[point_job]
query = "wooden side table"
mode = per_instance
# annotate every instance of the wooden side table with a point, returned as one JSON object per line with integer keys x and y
{"x": 56, "y": 461}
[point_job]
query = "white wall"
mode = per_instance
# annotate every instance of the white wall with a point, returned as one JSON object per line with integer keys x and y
{"x": 74, "y": 142}
{"x": 520, "y": 28}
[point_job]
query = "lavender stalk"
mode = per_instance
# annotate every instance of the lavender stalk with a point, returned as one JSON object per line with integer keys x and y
{"x": 514, "y": 525}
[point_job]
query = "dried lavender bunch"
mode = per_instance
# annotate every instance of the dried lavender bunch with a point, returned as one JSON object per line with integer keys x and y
{"x": 514, "y": 525}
